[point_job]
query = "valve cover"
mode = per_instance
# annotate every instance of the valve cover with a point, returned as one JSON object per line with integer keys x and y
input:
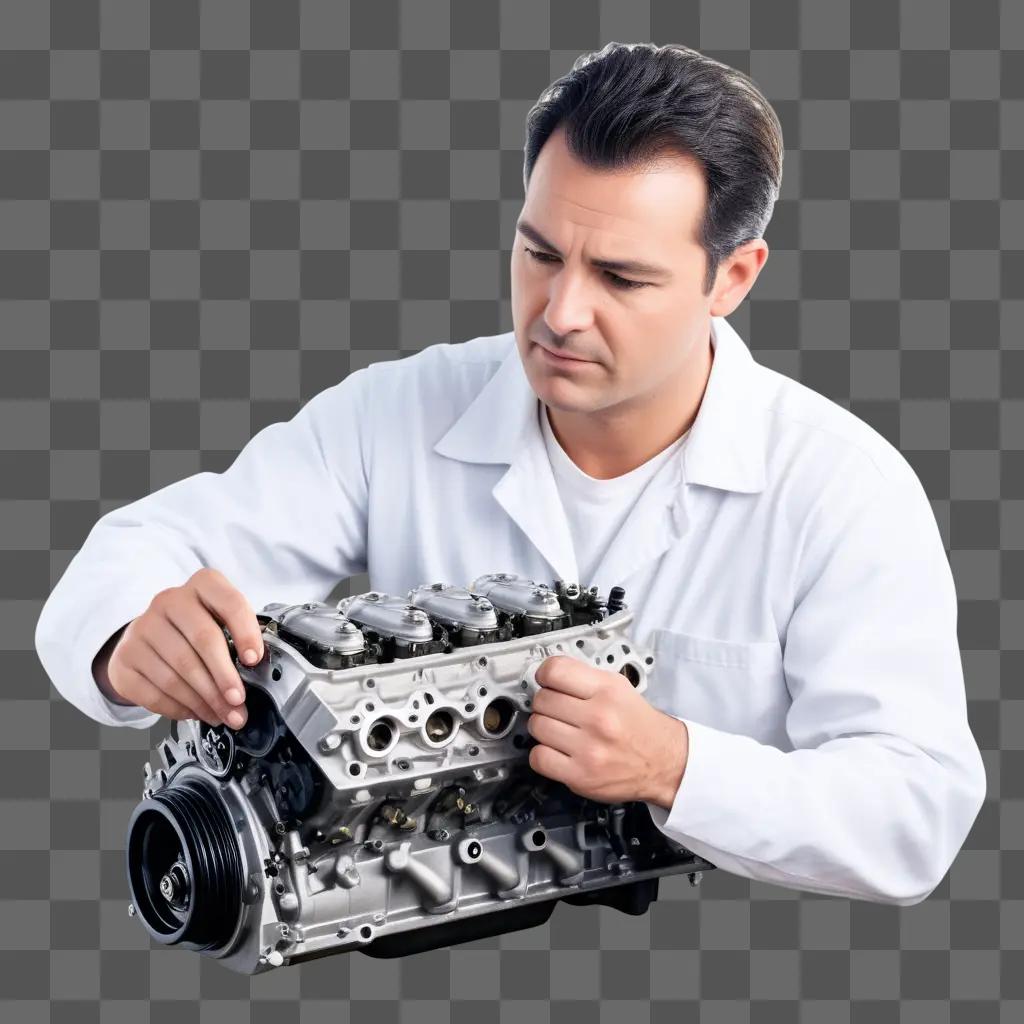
{"x": 379, "y": 797}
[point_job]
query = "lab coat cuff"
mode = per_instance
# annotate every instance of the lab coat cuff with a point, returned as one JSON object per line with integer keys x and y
{"x": 698, "y": 802}
{"x": 95, "y": 632}
{"x": 113, "y": 606}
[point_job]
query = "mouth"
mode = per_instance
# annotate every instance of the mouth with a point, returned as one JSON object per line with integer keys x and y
{"x": 559, "y": 360}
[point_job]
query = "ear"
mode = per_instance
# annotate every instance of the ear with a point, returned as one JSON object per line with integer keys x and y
{"x": 736, "y": 276}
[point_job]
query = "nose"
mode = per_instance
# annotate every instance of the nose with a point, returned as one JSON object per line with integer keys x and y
{"x": 569, "y": 305}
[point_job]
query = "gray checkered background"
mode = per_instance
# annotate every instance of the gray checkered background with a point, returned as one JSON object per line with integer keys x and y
{"x": 209, "y": 213}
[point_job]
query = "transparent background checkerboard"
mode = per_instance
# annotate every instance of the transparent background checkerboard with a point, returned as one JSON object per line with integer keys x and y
{"x": 209, "y": 213}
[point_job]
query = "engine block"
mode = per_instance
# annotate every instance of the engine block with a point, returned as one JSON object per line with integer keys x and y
{"x": 379, "y": 796}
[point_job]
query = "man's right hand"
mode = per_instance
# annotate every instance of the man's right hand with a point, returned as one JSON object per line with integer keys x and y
{"x": 174, "y": 658}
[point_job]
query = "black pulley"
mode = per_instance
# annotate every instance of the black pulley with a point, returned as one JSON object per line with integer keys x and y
{"x": 184, "y": 865}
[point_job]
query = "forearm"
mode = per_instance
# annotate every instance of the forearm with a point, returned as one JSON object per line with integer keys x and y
{"x": 865, "y": 817}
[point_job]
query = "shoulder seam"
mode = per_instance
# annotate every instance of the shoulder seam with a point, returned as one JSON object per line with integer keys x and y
{"x": 851, "y": 442}
{"x": 787, "y": 416}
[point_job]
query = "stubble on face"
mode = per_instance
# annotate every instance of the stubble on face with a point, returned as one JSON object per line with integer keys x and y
{"x": 649, "y": 347}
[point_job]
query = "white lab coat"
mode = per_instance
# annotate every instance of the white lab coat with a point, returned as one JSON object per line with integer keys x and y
{"x": 785, "y": 567}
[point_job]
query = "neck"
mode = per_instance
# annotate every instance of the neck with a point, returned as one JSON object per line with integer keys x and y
{"x": 615, "y": 441}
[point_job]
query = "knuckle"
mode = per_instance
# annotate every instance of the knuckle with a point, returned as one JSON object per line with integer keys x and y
{"x": 167, "y": 707}
{"x": 186, "y": 695}
{"x": 223, "y": 709}
{"x": 207, "y": 691}
{"x": 168, "y": 595}
{"x": 207, "y": 633}
{"x": 124, "y": 655}
{"x": 182, "y": 660}
{"x": 173, "y": 686}
{"x": 118, "y": 666}
{"x": 193, "y": 707}
{"x": 179, "y": 693}
{"x": 122, "y": 683}
{"x": 227, "y": 676}
{"x": 225, "y": 681}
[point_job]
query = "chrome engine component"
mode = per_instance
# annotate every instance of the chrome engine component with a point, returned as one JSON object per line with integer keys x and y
{"x": 379, "y": 797}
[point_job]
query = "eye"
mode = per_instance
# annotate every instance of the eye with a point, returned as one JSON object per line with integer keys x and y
{"x": 540, "y": 257}
{"x": 622, "y": 282}
{"x": 619, "y": 282}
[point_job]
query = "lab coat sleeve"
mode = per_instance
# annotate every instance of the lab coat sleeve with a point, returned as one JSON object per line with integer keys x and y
{"x": 286, "y": 521}
{"x": 885, "y": 779}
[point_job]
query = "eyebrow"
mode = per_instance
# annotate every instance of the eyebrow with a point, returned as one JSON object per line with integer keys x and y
{"x": 617, "y": 266}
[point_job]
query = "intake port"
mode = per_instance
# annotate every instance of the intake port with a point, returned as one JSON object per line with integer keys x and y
{"x": 439, "y": 728}
{"x": 498, "y": 717}
{"x": 380, "y": 736}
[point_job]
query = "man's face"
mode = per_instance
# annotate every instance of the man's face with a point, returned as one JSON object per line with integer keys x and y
{"x": 635, "y": 330}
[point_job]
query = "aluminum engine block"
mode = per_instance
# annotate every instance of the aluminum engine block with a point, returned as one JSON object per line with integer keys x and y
{"x": 379, "y": 797}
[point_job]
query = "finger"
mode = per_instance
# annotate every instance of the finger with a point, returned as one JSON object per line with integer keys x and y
{"x": 146, "y": 695}
{"x": 553, "y": 733}
{"x": 151, "y": 666}
{"x": 230, "y": 607}
{"x": 173, "y": 647}
{"x": 551, "y": 763}
{"x": 555, "y": 704}
{"x": 195, "y": 622}
{"x": 569, "y": 675}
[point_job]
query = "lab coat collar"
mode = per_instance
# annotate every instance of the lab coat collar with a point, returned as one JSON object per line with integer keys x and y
{"x": 725, "y": 449}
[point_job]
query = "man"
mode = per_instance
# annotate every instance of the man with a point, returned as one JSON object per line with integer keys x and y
{"x": 806, "y": 724}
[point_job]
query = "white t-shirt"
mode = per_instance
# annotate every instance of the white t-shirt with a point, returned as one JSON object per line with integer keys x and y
{"x": 596, "y": 509}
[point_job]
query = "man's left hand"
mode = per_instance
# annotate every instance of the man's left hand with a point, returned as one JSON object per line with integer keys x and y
{"x": 601, "y": 738}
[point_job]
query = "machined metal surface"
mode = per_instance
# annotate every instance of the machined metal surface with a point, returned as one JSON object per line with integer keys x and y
{"x": 380, "y": 797}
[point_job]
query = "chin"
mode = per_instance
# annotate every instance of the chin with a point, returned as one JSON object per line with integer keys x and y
{"x": 566, "y": 397}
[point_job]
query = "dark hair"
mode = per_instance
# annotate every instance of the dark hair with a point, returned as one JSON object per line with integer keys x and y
{"x": 630, "y": 105}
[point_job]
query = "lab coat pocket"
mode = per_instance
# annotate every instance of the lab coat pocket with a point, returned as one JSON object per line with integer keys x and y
{"x": 736, "y": 686}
